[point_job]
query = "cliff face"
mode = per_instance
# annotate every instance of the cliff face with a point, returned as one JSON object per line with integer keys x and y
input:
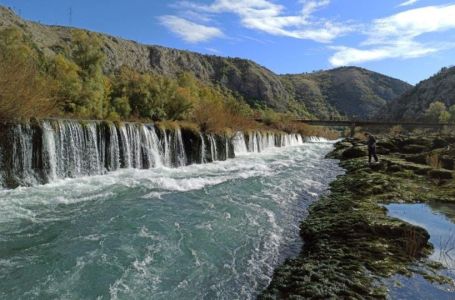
{"x": 413, "y": 104}
{"x": 343, "y": 91}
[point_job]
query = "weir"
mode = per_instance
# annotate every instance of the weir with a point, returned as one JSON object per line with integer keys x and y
{"x": 43, "y": 151}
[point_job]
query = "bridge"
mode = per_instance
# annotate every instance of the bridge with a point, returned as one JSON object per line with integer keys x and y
{"x": 360, "y": 123}
{"x": 364, "y": 123}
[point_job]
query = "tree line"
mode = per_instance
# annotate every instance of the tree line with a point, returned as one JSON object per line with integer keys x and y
{"x": 73, "y": 84}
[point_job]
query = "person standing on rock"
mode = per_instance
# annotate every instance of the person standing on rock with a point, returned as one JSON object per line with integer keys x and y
{"x": 371, "y": 142}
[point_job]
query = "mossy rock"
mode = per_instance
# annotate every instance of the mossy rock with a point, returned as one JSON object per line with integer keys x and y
{"x": 383, "y": 151}
{"x": 387, "y": 144}
{"x": 440, "y": 143}
{"x": 417, "y": 158}
{"x": 354, "y": 152}
{"x": 440, "y": 174}
{"x": 394, "y": 168}
{"x": 414, "y": 149}
{"x": 447, "y": 162}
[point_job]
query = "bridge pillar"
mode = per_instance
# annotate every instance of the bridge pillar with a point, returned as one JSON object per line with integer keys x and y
{"x": 353, "y": 129}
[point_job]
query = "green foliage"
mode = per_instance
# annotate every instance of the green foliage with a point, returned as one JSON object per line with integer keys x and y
{"x": 444, "y": 117}
{"x": 436, "y": 112}
{"x": 69, "y": 83}
{"x": 87, "y": 54}
{"x": 25, "y": 90}
{"x": 121, "y": 107}
{"x": 452, "y": 114}
{"x": 75, "y": 79}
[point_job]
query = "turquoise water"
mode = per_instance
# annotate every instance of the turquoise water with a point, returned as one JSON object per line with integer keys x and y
{"x": 214, "y": 231}
{"x": 438, "y": 220}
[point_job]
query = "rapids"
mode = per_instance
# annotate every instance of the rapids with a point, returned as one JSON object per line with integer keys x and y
{"x": 129, "y": 224}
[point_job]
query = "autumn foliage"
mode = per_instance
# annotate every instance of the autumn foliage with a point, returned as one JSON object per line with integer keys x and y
{"x": 73, "y": 84}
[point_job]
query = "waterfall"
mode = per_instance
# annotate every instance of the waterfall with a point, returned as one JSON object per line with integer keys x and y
{"x": 315, "y": 139}
{"x": 239, "y": 143}
{"x": 253, "y": 142}
{"x": 22, "y": 149}
{"x": 43, "y": 151}
{"x": 260, "y": 141}
{"x": 150, "y": 147}
{"x": 213, "y": 149}
{"x": 49, "y": 156}
{"x": 226, "y": 147}
{"x": 113, "y": 149}
{"x": 125, "y": 148}
{"x": 203, "y": 149}
{"x": 179, "y": 148}
{"x": 166, "y": 148}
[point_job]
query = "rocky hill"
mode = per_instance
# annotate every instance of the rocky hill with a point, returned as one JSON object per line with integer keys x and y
{"x": 352, "y": 91}
{"x": 326, "y": 94}
{"x": 413, "y": 104}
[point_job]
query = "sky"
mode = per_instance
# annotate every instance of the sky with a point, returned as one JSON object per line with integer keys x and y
{"x": 406, "y": 39}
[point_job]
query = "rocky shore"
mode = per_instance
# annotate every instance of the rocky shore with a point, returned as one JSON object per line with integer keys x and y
{"x": 350, "y": 243}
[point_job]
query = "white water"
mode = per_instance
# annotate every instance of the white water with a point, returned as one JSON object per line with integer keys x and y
{"x": 213, "y": 231}
{"x": 69, "y": 149}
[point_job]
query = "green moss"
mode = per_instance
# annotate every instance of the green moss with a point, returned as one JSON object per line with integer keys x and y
{"x": 349, "y": 241}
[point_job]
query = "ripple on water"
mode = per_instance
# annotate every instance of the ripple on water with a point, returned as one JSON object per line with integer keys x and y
{"x": 198, "y": 232}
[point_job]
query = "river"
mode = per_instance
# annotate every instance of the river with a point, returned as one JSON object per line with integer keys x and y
{"x": 207, "y": 231}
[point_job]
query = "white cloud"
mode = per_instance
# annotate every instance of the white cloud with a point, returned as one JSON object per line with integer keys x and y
{"x": 213, "y": 50}
{"x": 406, "y": 49}
{"x": 269, "y": 17}
{"x": 190, "y": 31}
{"x": 409, "y": 2}
{"x": 413, "y": 23}
{"x": 397, "y": 36}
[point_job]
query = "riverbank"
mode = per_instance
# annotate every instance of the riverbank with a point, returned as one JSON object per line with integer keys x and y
{"x": 350, "y": 242}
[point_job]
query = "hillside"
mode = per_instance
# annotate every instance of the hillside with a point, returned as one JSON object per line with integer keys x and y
{"x": 413, "y": 104}
{"x": 352, "y": 91}
{"x": 326, "y": 94}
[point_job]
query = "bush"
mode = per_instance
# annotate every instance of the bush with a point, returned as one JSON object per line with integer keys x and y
{"x": 25, "y": 91}
{"x": 436, "y": 112}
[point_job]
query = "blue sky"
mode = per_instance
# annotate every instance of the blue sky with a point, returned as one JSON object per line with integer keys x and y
{"x": 406, "y": 39}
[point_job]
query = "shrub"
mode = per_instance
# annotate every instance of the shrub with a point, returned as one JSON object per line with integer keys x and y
{"x": 25, "y": 91}
{"x": 436, "y": 111}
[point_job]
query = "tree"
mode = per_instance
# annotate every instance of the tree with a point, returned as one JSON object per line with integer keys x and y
{"x": 452, "y": 114}
{"x": 444, "y": 117}
{"x": 86, "y": 52}
{"x": 69, "y": 83}
{"x": 435, "y": 110}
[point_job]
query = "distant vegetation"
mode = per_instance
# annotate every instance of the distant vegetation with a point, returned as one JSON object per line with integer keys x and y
{"x": 339, "y": 93}
{"x": 73, "y": 84}
{"x": 430, "y": 100}
{"x": 438, "y": 112}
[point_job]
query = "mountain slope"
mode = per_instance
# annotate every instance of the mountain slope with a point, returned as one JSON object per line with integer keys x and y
{"x": 413, "y": 104}
{"x": 352, "y": 91}
{"x": 326, "y": 94}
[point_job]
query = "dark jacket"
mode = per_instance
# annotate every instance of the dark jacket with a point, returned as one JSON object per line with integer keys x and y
{"x": 371, "y": 141}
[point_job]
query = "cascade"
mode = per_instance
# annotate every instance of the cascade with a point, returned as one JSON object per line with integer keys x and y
{"x": 43, "y": 151}
{"x": 213, "y": 148}
{"x": 203, "y": 149}
{"x": 239, "y": 143}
